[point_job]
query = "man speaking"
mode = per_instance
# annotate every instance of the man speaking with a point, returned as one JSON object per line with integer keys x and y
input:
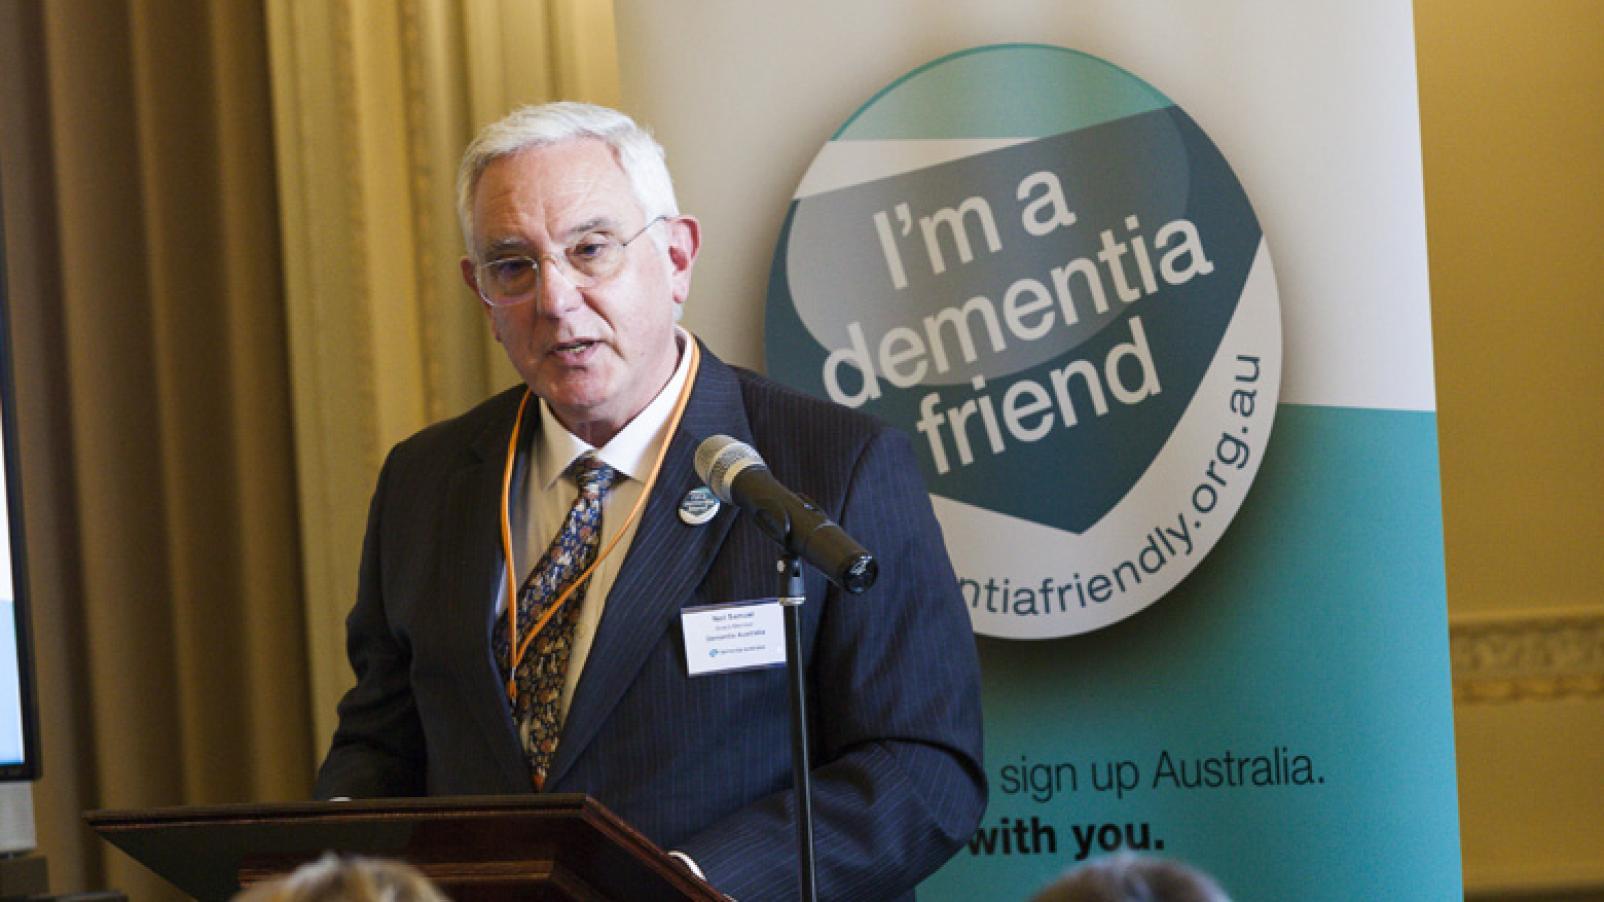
{"x": 544, "y": 579}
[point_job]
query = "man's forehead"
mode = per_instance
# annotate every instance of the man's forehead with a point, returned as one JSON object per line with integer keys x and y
{"x": 571, "y": 187}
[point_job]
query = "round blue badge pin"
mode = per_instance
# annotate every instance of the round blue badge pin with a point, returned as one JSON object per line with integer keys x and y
{"x": 698, "y": 506}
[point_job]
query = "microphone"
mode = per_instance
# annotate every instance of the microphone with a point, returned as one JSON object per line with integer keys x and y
{"x": 736, "y": 473}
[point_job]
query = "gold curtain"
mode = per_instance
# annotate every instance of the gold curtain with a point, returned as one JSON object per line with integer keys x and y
{"x": 231, "y": 244}
{"x": 373, "y": 104}
{"x": 154, "y": 393}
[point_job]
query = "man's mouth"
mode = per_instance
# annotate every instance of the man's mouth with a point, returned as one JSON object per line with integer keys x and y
{"x": 573, "y": 349}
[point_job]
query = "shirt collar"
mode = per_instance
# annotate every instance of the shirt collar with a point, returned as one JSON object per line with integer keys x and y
{"x": 632, "y": 451}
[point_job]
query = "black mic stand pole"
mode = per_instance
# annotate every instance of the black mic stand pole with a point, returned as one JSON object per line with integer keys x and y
{"x": 792, "y": 596}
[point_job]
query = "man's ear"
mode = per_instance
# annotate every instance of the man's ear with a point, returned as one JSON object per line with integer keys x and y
{"x": 470, "y": 279}
{"x": 684, "y": 242}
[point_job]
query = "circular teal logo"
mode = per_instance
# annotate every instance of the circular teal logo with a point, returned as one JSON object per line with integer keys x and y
{"x": 1043, "y": 269}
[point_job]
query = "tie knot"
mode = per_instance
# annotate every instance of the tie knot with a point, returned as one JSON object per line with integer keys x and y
{"x": 593, "y": 475}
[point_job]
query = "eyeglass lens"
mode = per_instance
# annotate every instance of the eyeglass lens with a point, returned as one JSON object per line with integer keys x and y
{"x": 588, "y": 261}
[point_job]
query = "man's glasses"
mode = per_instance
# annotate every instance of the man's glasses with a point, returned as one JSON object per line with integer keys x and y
{"x": 588, "y": 262}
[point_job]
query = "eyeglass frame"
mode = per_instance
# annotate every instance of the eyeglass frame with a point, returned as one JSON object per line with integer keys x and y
{"x": 559, "y": 260}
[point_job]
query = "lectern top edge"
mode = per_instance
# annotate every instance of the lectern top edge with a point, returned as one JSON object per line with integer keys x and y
{"x": 489, "y": 848}
{"x": 562, "y": 804}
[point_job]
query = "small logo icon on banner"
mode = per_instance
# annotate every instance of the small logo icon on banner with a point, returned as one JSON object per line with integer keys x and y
{"x": 1044, "y": 270}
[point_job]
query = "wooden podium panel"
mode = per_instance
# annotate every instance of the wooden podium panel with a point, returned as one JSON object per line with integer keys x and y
{"x": 527, "y": 847}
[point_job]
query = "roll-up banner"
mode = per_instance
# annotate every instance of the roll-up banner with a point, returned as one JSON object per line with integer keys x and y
{"x": 1148, "y": 290}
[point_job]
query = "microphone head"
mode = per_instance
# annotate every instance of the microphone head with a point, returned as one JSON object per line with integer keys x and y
{"x": 719, "y": 459}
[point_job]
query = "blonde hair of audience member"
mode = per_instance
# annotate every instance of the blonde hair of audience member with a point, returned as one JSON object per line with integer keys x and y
{"x": 1127, "y": 877}
{"x": 335, "y": 879}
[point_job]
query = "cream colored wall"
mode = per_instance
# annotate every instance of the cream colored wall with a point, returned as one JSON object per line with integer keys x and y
{"x": 1512, "y": 121}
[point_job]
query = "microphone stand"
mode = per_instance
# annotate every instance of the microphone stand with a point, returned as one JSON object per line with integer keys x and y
{"x": 792, "y": 596}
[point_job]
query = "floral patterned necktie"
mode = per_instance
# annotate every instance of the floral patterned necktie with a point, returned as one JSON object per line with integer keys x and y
{"x": 544, "y": 667}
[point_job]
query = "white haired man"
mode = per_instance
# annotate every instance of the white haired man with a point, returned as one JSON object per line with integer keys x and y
{"x": 532, "y": 568}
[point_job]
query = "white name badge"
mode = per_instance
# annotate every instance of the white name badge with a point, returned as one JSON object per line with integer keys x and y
{"x": 740, "y": 635}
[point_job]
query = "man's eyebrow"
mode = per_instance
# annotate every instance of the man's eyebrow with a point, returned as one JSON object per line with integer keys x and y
{"x": 512, "y": 244}
{"x": 506, "y": 245}
{"x": 594, "y": 224}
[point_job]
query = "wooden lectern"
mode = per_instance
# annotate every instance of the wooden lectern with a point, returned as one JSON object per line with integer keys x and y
{"x": 557, "y": 847}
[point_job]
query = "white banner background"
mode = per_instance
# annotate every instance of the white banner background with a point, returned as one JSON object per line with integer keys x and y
{"x": 1315, "y": 109}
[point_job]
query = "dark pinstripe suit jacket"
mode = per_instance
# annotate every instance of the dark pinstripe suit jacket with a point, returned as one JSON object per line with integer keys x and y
{"x": 699, "y": 764}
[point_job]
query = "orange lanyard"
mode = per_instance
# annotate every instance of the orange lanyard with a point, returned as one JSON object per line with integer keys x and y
{"x": 517, "y": 653}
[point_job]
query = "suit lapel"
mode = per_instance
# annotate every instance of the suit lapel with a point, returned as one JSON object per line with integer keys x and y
{"x": 666, "y": 562}
{"x": 470, "y": 562}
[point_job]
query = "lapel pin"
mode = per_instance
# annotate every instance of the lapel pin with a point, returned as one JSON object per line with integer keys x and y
{"x": 698, "y": 506}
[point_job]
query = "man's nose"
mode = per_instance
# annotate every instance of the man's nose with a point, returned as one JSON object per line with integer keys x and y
{"x": 555, "y": 290}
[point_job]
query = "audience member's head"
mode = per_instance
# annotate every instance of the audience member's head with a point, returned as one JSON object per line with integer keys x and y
{"x": 335, "y": 879}
{"x": 1126, "y": 877}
